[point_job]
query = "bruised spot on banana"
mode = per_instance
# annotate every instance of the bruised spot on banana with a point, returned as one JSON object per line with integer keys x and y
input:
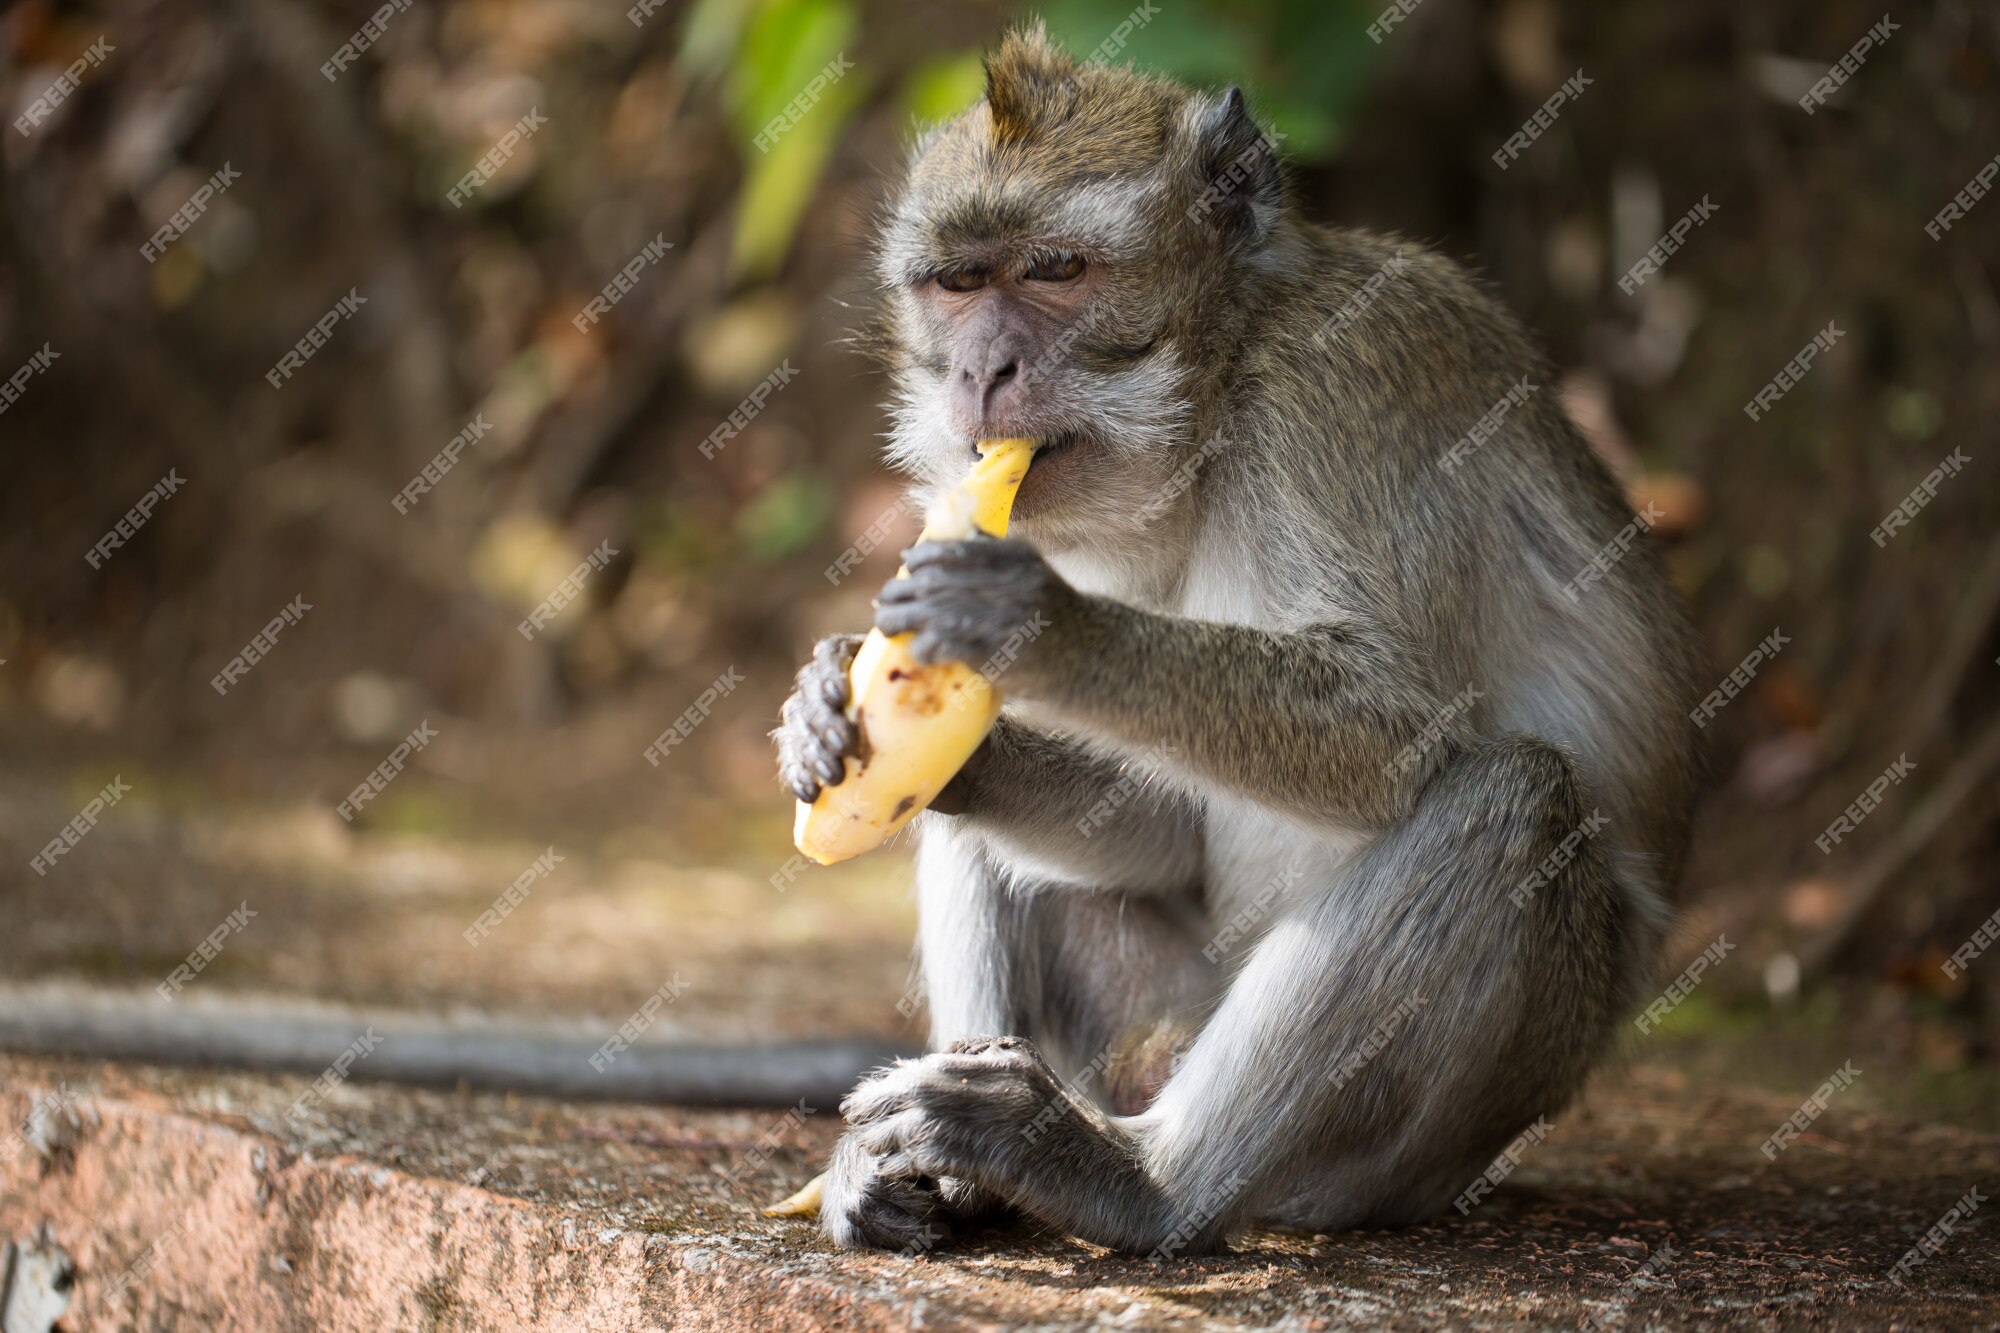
{"x": 918, "y": 723}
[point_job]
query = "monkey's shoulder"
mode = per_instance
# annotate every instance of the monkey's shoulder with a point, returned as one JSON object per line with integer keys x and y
{"x": 1362, "y": 290}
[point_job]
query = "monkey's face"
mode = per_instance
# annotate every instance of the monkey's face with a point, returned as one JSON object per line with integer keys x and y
{"x": 1048, "y": 277}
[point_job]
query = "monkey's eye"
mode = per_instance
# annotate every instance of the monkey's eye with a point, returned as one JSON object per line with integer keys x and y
{"x": 962, "y": 280}
{"x": 1058, "y": 267}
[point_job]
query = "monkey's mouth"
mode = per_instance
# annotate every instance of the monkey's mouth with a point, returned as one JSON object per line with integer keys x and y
{"x": 1051, "y": 474}
{"x": 1054, "y": 445}
{"x": 1048, "y": 447}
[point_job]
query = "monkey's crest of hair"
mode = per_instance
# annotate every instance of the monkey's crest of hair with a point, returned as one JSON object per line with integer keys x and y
{"x": 1058, "y": 143}
{"x": 1044, "y": 110}
{"x": 1028, "y": 80}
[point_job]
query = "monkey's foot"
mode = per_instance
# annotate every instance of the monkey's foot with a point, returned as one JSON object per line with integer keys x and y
{"x": 992, "y": 1112}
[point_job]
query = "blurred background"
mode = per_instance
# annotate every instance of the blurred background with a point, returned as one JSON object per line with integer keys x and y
{"x": 603, "y": 131}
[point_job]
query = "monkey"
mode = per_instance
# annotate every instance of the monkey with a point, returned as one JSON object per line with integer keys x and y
{"x": 1334, "y": 817}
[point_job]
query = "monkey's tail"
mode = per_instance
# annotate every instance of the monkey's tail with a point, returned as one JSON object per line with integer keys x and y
{"x": 573, "y": 1060}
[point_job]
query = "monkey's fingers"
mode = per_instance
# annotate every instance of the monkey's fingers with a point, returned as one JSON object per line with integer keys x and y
{"x": 803, "y": 1204}
{"x": 982, "y": 550}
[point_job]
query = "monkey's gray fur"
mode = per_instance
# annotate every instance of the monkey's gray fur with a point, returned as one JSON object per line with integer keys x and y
{"x": 1302, "y": 682}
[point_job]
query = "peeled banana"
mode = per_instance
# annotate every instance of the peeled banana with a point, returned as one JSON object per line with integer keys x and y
{"x": 918, "y": 723}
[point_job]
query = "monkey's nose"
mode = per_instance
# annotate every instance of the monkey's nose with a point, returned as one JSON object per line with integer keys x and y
{"x": 981, "y": 380}
{"x": 1001, "y": 364}
{"x": 997, "y": 371}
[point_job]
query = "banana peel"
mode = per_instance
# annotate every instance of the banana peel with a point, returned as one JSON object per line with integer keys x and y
{"x": 918, "y": 722}
{"x": 803, "y": 1204}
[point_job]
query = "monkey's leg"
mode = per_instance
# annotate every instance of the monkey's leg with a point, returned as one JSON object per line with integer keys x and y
{"x": 1092, "y": 974}
{"x": 1498, "y": 1011}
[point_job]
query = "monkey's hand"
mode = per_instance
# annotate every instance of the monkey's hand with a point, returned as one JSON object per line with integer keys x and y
{"x": 814, "y": 734}
{"x": 873, "y": 1201}
{"x": 868, "y": 1205}
{"x": 984, "y": 602}
{"x": 991, "y": 1113}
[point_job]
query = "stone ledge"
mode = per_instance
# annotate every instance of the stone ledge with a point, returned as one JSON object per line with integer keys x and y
{"x": 185, "y": 1200}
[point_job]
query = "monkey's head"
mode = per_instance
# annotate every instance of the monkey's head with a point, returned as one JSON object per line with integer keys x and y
{"x": 1068, "y": 261}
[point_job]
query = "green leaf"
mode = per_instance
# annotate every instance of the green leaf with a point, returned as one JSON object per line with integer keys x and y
{"x": 1304, "y": 63}
{"x": 941, "y": 89}
{"x": 785, "y": 46}
{"x": 780, "y": 182}
{"x": 791, "y": 98}
{"x": 713, "y": 33}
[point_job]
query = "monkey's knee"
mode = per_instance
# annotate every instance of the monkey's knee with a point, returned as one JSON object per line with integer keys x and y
{"x": 1526, "y": 787}
{"x": 1517, "y": 814}
{"x": 1513, "y": 833}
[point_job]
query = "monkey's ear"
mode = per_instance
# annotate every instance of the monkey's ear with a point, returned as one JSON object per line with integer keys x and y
{"x": 1239, "y": 192}
{"x": 1029, "y": 79}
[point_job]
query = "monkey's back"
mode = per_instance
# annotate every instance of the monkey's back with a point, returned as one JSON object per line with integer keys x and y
{"x": 1425, "y": 473}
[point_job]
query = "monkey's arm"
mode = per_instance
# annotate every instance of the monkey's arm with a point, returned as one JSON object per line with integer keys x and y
{"x": 1057, "y": 809}
{"x": 1068, "y": 815}
{"x": 1333, "y": 721}
{"x": 1325, "y": 721}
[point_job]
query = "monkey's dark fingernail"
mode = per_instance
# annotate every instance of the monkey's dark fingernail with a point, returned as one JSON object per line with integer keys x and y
{"x": 830, "y": 769}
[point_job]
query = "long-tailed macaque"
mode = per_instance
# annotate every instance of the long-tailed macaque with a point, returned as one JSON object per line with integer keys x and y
{"x": 1345, "y": 778}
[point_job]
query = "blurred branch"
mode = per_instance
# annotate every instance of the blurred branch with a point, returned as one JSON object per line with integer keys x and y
{"x": 351, "y": 153}
{"x": 1969, "y": 627}
{"x": 1974, "y": 772}
{"x": 572, "y": 448}
{"x": 131, "y": 350}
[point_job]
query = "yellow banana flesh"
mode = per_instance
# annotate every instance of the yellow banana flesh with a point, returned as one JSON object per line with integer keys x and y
{"x": 918, "y": 723}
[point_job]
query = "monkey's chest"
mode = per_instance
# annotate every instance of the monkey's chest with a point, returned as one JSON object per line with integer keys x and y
{"x": 1259, "y": 863}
